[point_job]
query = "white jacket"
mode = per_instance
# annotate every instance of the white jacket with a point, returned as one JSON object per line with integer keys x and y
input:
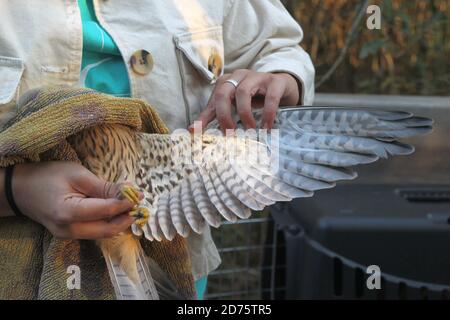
{"x": 41, "y": 43}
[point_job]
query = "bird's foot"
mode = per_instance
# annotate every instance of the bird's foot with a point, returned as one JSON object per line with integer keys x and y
{"x": 140, "y": 215}
{"x": 131, "y": 193}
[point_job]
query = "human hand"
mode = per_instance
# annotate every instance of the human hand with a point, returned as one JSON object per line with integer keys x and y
{"x": 255, "y": 89}
{"x": 70, "y": 201}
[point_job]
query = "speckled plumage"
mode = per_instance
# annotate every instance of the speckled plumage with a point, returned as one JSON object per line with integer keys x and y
{"x": 317, "y": 147}
{"x": 109, "y": 151}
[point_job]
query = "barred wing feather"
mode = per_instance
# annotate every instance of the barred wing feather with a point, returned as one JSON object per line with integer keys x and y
{"x": 317, "y": 146}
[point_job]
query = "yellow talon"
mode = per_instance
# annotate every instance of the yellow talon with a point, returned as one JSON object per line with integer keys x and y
{"x": 131, "y": 193}
{"x": 141, "y": 215}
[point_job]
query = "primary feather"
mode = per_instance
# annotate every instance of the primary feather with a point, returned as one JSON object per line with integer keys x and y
{"x": 317, "y": 146}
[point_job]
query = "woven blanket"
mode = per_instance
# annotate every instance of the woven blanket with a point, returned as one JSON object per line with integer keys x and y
{"x": 34, "y": 264}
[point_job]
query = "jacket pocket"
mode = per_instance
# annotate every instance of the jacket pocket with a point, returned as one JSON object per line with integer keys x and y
{"x": 200, "y": 57}
{"x": 11, "y": 70}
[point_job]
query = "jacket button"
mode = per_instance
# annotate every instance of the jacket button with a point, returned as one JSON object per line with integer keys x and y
{"x": 141, "y": 62}
{"x": 215, "y": 64}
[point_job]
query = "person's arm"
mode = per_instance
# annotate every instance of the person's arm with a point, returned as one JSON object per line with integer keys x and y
{"x": 69, "y": 200}
{"x": 264, "y": 37}
{"x": 262, "y": 53}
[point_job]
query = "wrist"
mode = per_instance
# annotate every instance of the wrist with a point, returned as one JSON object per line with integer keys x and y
{"x": 9, "y": 190}
{"x": 20, "y": 177}
{"x": 5, "y": 208}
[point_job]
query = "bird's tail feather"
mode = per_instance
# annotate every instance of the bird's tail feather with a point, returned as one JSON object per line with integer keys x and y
{"x": 164, "y": 286}
{"x": 128, "y": 269}
{"x": 134, "y": 275}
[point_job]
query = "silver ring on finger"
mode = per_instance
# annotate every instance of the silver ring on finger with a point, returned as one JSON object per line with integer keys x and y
{"x": 233, "y": 82}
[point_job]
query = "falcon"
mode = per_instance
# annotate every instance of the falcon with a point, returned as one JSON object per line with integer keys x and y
{"x": 193, "y": 180}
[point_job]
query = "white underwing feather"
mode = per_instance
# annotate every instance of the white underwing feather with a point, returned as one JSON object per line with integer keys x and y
{"x": 215, "y": 199}
{"x": 164, "y": 218}
{"x": 190, "y": 211}
{"x": 318, "y": 146}
{"x": 202, "y": 200}
{"x": 178, "y": 218}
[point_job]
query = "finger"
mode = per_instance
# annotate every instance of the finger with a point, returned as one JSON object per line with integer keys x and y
{"x": 92, "y": 209}
{"x": 209, "y": 113}
{"x": 223, "y": 98}
{"x": 244, "y": 94}
{"x": 205, "y": 117}
{"x": 222, "y": 105}
{"x": 275, "y": 92}
{"x": 101, "y": 229}
{"x": 90, "y": 185}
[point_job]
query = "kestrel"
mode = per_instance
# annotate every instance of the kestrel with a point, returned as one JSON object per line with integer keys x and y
{"x": 191, "y": 180}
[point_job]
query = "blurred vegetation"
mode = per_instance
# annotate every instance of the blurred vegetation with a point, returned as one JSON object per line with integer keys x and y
{"x": 409, "y": 55}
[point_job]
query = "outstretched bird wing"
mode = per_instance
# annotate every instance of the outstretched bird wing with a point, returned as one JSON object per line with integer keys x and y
{"x": 187, "y": 184}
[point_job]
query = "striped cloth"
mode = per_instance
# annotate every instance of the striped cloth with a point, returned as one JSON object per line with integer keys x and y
{"x": 33, "y": 264}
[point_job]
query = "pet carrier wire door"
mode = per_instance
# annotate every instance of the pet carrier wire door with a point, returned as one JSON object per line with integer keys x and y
{"x": 248, "y": 250}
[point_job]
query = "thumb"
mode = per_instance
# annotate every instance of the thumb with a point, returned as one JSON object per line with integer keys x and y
{"x": 95, "y": 187}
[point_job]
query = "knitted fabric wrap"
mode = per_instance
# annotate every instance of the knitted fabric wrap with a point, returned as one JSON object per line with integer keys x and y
{"x": 34, "y": 264}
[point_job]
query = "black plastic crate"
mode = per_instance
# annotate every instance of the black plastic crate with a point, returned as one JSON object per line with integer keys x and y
{"x": 331, "y": 238}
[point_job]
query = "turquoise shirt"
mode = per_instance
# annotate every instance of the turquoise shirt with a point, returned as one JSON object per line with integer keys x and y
{"x": 103, "y": 69}
{"x": 102, "y": 66}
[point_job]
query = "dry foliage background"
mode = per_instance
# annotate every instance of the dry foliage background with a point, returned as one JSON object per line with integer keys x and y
{"x": 409, "y": 55}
